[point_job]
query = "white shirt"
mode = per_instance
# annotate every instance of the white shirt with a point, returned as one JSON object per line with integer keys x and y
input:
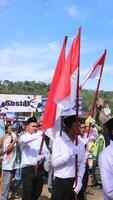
{"x": 30, "y": 146}
{"x": 106, "y": 170}
{"x": 63, "y": 159}
{"x": 9, "y": 160}
{"x": 92, "y": 136}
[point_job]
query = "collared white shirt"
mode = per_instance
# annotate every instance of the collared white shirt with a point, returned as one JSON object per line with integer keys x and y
{"x": 30, "y": 146}
{"x": 63, "y": 159}
{"x": 106, "y": 170}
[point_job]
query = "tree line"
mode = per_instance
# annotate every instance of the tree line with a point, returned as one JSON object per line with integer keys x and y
{"x": 42, "y": 88}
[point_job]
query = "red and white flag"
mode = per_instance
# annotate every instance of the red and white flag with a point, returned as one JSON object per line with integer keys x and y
{"x": 62, "y": 94}
{"x": 95, "y": 71}
{"x": 50, "y": 109}
{"x": 65, "y": 94}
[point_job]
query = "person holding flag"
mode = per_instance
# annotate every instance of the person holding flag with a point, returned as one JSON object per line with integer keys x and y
{"x": 32, "y": 161}
{"x": 64, "y": 95}
{"x": 63, "y": 160}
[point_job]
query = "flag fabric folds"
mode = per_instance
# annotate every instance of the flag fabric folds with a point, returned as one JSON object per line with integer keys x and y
{"x": 95, "y": 71}
{"x": 65, "y": 94}
{"x": 62, "y": 93}
{"x": 50, "y": 109}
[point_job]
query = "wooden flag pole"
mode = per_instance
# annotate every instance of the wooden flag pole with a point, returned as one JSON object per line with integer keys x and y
{"x": 77, "y": 120}
{"x": 96, "y": 94}
{"x": 98, "y": 85}
{"x": 40, "y": 152}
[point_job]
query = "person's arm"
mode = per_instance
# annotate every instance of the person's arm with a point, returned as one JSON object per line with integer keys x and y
{"x": 81, "y": 167}
{"x": 106, "y": 171}
{"x": 106, "y": 175}
{"x": 27, "y": 138}
{"x": 58, "y": 158}
{"x": 81, "y": 160}
{"x": 1, "y": 140}
{"x": 45, "y": 150}
{"x": 10, "y": 147}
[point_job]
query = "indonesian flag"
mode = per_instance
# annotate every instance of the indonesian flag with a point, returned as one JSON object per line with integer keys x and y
{"x": 50, "y": 109}
{"x": 95, "y": 71}
{"x": 65, "y": 94}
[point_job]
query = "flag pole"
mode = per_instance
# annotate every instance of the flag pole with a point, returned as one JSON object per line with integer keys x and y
{"x": 98, "y": 85}
{"x": 40, "y": 151}
{"x": 96, "y": 94}
{"x": 77, "y": 120}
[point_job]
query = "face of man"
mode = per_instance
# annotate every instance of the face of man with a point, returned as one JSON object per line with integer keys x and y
{"x": 82, "y": 129}
{"x": 72, "y": 130}
{"x": 32, "y": 127}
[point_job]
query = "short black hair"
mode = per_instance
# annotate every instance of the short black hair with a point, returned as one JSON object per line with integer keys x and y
{"x": 69, "y": 120}
{"x": 31, "y": 120}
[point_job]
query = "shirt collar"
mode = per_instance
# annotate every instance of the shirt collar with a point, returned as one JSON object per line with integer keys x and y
{"x": 66, "y": 137}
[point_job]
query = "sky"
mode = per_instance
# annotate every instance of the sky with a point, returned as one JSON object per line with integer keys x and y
{"x": 32, "y": 32}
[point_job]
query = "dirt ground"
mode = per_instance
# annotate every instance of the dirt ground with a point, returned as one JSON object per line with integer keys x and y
{"x": 91, "y": 194}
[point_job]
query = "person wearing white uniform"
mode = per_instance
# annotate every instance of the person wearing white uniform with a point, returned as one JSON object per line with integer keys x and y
{"x": 106, "y": 164}
{"x": 63, "y": 160}
{"x": 30, "y": 143}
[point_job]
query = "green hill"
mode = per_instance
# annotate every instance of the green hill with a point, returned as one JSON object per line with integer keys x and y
{"x": 41, "y": 88}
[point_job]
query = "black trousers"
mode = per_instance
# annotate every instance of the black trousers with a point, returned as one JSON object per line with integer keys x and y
{"x": 32, "y": 184}
{"x": 63, "y": 189}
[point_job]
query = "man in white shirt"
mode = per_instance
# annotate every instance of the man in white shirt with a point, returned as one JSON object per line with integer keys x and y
{"x": 106, "y": 164}
{"x": 63, "y": 160}
{"x": 30, "y": 143}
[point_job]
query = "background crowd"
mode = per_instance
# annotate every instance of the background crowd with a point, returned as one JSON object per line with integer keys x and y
{"x": 28, "y": 157}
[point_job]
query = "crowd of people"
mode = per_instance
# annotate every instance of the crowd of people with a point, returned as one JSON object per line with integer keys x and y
{"x": 28, "y": 156}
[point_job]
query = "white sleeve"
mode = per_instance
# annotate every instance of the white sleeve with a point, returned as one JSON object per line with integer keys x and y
{"x": 57, "y": 157}
{"x": 45, "y": 150}
{"x": 81, "y": 161}
{"x": 106, "y": 171}
{"x": 26, "y": 138}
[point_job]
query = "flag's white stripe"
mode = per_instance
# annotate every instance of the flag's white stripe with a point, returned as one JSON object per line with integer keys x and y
{"x": 96, "y": 72}
{"x": 93, "y": 73}
{"x": 69, "y": 101}
{"x": 66, "y": 103}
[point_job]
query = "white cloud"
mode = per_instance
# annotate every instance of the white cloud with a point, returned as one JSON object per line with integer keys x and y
{"x": 4, "y": 3}
{"x": 72, "y": 10}
{"x": 21, "y": 62}
{"x": 108, "y": 69}
{"x": 25, "y": 62}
